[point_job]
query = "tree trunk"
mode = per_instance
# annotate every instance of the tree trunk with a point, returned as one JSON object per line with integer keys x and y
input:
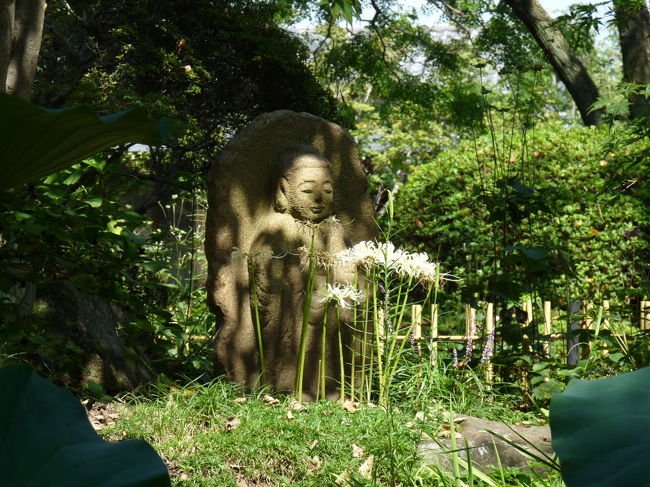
{"x": 633, "y": 22}
{"x": 558, "y": 52}
{"x": 23, "y": 30}
{"x": 6, "y": 29}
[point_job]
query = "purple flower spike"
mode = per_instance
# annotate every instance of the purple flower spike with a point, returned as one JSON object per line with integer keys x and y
{"x": 489, "y": 347}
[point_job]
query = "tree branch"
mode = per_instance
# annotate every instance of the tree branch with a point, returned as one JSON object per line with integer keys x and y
{"x": 559, "y": 54}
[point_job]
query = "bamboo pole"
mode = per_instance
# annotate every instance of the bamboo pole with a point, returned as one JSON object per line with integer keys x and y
{"x": 547, "y": 327}
{"x": 605, "y": 325}
{"x": 587, "y": 323}
{"x": 644, "y": 320}
{"x": 525, "y": 339}
{"x": 434, "y": 334}
{"x": 572, "y": 340}
{"x": 416, "y": 315}
{"x": 489, "y": 329}
{"x": 470, "y": 320}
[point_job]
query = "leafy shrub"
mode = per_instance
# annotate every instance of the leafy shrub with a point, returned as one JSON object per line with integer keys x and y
{"x": 534, "y": 213}
{"x": 74, "y": 228}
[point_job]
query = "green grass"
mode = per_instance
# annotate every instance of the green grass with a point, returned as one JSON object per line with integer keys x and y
{"x": 189, "y": 427}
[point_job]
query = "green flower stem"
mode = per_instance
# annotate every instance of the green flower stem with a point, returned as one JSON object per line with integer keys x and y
{"x": 323, "y": 352}
{"x": 379, "y": 338}
{"x": 364, "y": 343}
{"x": 394, "y": 358}
{"x": 341, "y": 357}
{"x": 323, "y": 345}
{"x": 300, "y": 372}
{"x": 354, "y": 341}
{"x": 256, "y": 312}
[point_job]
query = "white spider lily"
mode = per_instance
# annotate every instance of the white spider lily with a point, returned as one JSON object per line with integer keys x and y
{"x": 344, "y": 296}
{"x": 362, "y": 254}
{"x": 418, "y": 266}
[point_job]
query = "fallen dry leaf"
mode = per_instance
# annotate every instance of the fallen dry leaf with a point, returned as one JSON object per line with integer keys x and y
{"x": 270, "y": 400}
{"x": 409, "y": 424}
{"x": 371, "y": 405}
{"x": 420, "y": 416}
{"x": 357, "y": 451}
{"x": 315, "y": 463}
{"x": 350, "y": 406}
{"x": 232, "y": 423}
{"x": 240, "y": 400}
{"x": 313, "y": 444}
{"x": 343, "y": 478}
{"x": 296, "y": 406}
{"x": 290, "y": 415}
{"x": 328, "y": 412}
{"x": 446, "y": 433}
{"x": 366, "y": 467}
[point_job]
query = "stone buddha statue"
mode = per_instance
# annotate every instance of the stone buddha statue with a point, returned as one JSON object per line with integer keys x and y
{"x": 272, "y": 191}
{"x": 304, "y": 201}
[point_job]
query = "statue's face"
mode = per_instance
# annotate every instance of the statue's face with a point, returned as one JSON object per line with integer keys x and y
{"x": 310, "y": 193}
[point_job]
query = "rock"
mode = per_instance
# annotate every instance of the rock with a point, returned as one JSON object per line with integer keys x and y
{"x": 91, "y": 323}
{"x": 487, "y": 450}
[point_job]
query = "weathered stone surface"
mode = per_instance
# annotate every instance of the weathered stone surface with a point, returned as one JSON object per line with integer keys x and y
{"x": 270, "y": 191}
{"x": 487, "y": 450}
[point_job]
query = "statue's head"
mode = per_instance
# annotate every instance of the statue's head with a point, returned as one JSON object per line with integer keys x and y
{"x": 305, "y": 189}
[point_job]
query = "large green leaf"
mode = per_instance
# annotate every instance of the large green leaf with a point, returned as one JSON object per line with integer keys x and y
{"x": 46, "y": 440}
{"x": 35, "y": 141}
{"x": 601, "y": 431}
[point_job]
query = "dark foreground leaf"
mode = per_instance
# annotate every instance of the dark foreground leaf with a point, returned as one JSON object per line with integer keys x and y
{"x": 601, "y": 431}
{"x": 35, "y": 142}
{"x": 46, "y": 440}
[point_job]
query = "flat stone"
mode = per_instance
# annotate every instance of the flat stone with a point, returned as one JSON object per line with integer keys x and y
{"x": 487, "y": 450}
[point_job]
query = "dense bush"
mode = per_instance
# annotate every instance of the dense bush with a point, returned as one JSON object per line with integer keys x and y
{"x": 73, "y": 231}
{"x": 536, "y": 216}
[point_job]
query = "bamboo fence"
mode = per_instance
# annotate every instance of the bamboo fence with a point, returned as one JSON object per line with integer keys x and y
{"x": 577, "y": 346}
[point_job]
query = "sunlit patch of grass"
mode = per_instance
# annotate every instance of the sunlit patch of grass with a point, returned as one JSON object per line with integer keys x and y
{"x": 210, "y": 436}
{"x": 270, "y": 444}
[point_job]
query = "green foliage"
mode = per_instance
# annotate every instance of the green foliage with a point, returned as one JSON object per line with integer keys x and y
{"x": 38, "y": 142}
{"x": 530, "y": 217}
{"x": 47, "y": 440}
{"x": 210, "y": 66}
{"x": 598, "y": 430}
{"x": 66, "y": 228}
{"x": 73, "y": 227}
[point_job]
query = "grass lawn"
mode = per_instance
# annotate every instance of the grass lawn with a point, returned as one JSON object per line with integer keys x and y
{"x": 211, "y": 436}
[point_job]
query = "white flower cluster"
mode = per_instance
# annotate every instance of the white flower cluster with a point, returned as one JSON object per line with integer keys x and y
{"x": 385, "y": 255}
{"x": 344, "y": 296}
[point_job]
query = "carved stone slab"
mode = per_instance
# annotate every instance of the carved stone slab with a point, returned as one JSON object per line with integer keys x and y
{"x": 244, "y": 214}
